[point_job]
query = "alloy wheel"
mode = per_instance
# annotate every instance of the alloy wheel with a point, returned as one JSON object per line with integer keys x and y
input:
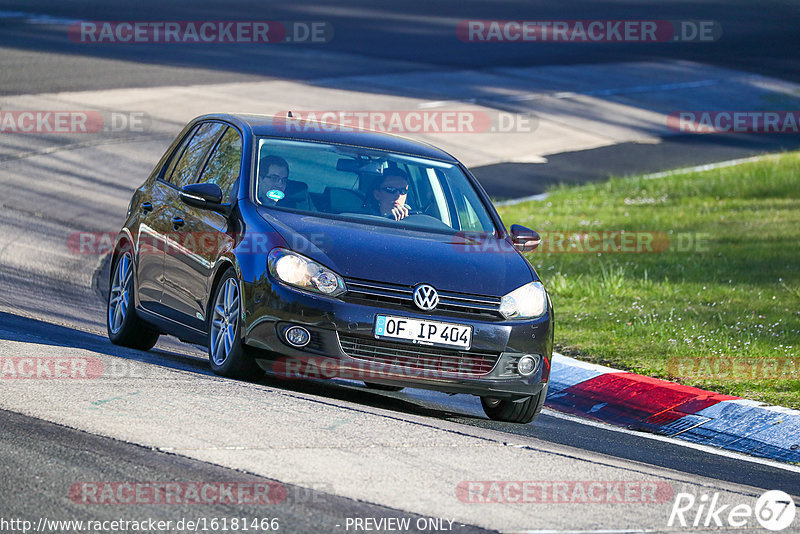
{"x": 224, "y": 321}
{"x": 119, "y": 296}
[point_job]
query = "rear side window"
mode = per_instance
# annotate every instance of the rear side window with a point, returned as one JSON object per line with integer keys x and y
{"x": 177, "y": 155}
{"x": 187, "y": 167}
{"x": 224, "y": 163}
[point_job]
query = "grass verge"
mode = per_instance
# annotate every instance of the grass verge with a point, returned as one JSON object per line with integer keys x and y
{"x": 703, "y": 286}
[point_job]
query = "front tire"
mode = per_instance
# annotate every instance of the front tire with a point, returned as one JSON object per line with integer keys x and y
{"x": 523, "y": 411}
{"x": 123, "y": 325}
{"x": 227, "y": 355}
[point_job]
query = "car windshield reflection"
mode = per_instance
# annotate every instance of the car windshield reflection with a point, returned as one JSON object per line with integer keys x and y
{"x": 367, "y": 186}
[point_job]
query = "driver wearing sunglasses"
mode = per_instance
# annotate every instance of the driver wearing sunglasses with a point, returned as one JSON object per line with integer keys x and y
{"x": 391, "y": 194}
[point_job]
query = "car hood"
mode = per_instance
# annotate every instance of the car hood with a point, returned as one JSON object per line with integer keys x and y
{"x": 401, "y": 256}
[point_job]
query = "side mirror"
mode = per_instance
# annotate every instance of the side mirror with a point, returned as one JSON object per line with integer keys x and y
{"x": 205, "y": 196}
{"x": 524, "y": 239}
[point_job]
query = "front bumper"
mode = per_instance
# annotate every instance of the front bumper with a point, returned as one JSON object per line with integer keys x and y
{"x": 487, "y": 369}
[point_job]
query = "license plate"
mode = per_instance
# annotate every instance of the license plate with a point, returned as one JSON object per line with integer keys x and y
{"x": 421, "y": 332}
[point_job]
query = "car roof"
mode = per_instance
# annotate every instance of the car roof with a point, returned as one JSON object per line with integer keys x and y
{"x": 303, "y": 130}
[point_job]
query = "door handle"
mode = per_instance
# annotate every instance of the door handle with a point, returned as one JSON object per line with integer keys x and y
{"x": 177, "y": 222}
{"x": 147, "y": 207}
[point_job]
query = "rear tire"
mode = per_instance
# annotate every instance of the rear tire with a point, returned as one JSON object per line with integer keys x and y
{"x": 124, "y": 327}
{"x": 227, "y": 355}
{"x": 383, "y": 387}
{"x": 523, "y": 411}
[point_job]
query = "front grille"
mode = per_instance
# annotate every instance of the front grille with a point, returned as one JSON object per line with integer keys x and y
{"x": 462, "y": 304}
{"x": 419, "y": 358}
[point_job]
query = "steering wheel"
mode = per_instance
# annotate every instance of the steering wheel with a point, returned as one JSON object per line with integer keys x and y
{"x": 410, "y": 213}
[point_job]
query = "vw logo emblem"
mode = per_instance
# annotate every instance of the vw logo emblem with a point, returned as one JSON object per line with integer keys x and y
{"x": 425, "y": 297}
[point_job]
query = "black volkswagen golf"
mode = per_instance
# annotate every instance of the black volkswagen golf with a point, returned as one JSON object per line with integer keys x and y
{"x": 313, "y": 250}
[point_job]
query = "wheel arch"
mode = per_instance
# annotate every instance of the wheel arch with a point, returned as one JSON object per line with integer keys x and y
{"x": 223, "y": 264}
{"x": 123, "y": 237}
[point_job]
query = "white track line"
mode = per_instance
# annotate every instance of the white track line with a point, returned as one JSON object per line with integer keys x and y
{"x": 36, "y": 18}
{"x": 656, "y": 175}
{"x": 688, "y": 444}
{"x": 711, "y": 166}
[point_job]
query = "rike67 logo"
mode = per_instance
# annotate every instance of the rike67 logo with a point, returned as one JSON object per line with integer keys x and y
{"x": 774, "y": 510}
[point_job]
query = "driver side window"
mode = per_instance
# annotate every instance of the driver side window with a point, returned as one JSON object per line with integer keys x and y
{"x": 224, "y": 163}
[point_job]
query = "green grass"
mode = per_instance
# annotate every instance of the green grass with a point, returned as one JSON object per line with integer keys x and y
{"x": 724, "y": 315}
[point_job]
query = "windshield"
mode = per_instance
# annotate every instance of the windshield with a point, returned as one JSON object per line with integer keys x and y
{"x": 368, "y": 186}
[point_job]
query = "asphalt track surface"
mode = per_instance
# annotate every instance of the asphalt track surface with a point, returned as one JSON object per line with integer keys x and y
{"x": 376, "y": 37}
{"x": 370, "y": 38}
{"x": 52, "y": 458}
{"x": 51, "y": 301}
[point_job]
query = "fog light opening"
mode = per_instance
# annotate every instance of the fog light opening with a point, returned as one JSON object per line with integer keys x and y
{"x": 297, "y": 336}
{"x": 526, "y": 365}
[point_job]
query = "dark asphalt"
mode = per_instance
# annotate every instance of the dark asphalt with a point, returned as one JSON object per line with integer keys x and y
{"x": 556, "y": 430}
{"x": 514, "y": 180}
{"x": 388, "y": 37}
{"x": 43, "y": 462}
{"x": 373, "y": 37}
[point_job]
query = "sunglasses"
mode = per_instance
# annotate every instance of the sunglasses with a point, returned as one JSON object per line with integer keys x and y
{"x": 276, "y": 178}
{"x": 395, "y": 191}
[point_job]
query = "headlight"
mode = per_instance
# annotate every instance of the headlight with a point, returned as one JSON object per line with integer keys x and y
{"x": 296, "y": 270}
{"x": 525, "y": 302}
